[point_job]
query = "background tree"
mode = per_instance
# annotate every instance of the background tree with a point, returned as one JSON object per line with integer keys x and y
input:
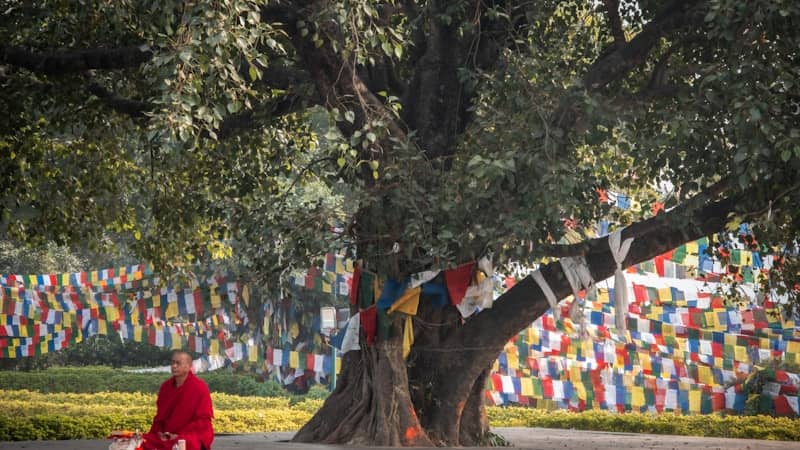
{"x": 419, "y": 134}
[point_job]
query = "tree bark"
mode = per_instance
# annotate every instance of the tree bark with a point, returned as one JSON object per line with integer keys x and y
{"x": 371, "y": 404}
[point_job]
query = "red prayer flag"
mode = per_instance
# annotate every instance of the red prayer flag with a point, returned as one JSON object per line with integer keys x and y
{"x": 458, "y": 281}
{"x": 369, "y": 323}
{"x": 354, "y": 286}
{"x": 782, "y": 407}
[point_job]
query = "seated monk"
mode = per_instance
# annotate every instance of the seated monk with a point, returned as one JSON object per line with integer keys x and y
{"x": 183, "y": 410}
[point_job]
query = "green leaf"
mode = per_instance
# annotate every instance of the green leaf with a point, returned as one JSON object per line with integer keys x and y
{"x": 253, "y": 73}
{"x": 387, "y": 48}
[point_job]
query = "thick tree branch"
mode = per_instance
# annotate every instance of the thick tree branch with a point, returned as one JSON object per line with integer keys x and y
{"x": 622, "y": 59}
{"x": 483, "y": 336}
{"x": 438, "y": 104}
{"x": 133, "y": 108}
{"x": 614, "y": 21}
{"x": 74, "y": 61}
{"x": 340, "y": 86}
{"x": 230, "y": 125}
{"x": 616, "y": 63}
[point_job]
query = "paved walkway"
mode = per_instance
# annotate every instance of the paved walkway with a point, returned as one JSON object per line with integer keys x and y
{"x": 521, "y": 438}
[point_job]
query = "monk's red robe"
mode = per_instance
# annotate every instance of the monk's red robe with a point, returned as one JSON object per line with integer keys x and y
{"x": 185, "y": 411}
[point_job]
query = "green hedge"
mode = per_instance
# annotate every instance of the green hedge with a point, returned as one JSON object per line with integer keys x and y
{"x": 710, "y": 425}
{"x": 286, "y": 418}
{"x": 106, "y": 379}
{"x": 87, "y": 403}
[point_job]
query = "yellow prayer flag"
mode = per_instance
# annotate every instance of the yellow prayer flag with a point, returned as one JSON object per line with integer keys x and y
{"x": 569, "y": 328}
{"x": 730, "y": 339}
{"x": 294, "y": 360}
{"x": 746, "y": 258}
{"x": 112, "y": 313}
{"x": 246, "y": 294}
{"x": 513, "y": 360}
{"x": 326, "y": 287}
{"x": 711, "y": 319}
{"x": 580, "y": 389}
{"x": 137, "y": 333}
{"x": 213, "y": 347}
{"x": 252, "y": 353}
{"x": 496, "y": 366}
{"x": 43, "y": 347}
{"x": 602, "y": 295}
{"x": 575, "y": 373}
{"x": 704, "y": 375}
{"x": 644, "y": 360}
{"x": 408, "y": 303}
{"x": 692, "y": 248}
{"x": 526, "y": 385}
{"x": 532, "y": 336}
{"x": 680, "y": 345}
{"x": 695, "y": 399}
{"x": 637, "y": 397}
{"x": 665, "y": 294}
{"x": 216, "y": 301}
{"x": 172, "y": 310}
{"x": 408, "y": 336}
{"x": 176, "y": 340}
{"x": 338, "y": 365}
{"x": 339, "y": 260}
{"x": 740, "y": 353}
{"x": 102, "y": 327}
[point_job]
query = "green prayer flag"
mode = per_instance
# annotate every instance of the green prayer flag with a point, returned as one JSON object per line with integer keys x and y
{"x": 366, "y": 290}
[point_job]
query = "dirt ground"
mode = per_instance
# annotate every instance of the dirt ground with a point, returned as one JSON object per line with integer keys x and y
{"x": 521, "y": 438}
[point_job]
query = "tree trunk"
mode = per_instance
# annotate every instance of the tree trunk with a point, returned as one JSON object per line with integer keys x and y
{"x": 371, "y": 404}
{"x": 435, "y": 397}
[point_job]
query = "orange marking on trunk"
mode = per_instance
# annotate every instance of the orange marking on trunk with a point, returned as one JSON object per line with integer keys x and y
{"x": 460, "y": 407}
{"x": 411, "y": 434}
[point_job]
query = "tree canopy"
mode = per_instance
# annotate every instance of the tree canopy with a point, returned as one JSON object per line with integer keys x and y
{"x": 416, "y": 134}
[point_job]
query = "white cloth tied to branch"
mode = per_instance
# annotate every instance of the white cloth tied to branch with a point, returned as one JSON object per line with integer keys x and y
{"x": 351, "y": 334}
{"x": 579, "y": 277}
{"x": 548, "y": 293}
{"x": 619, "y": 251}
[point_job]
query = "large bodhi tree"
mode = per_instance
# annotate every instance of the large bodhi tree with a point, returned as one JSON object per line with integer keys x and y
{"x": 418, "y": 134}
